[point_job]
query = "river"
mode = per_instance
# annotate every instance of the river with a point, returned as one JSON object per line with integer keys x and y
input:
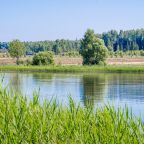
{"x": 95, "y": 89}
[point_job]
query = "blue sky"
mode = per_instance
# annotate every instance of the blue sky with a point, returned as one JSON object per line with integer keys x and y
{"x": 31, "y": 20}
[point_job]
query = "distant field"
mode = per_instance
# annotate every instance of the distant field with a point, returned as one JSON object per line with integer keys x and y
{"x": 122, "y": 61}
{"x": 78, "y": 61}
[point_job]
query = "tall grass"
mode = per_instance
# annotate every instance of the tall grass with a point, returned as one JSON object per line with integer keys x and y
{"x": 25, "y": 121}
{"x": 92, "y": 69}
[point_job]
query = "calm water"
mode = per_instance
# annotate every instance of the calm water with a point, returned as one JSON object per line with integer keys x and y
{"x": 116, "y": 89}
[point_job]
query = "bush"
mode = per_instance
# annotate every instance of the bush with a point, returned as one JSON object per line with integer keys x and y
{"x": 72, "y": 54}
{"x": 142, "y": 53}
{"x": 20, "y": 62}
{"x": 43, "y": 58}
{"x": 102, "y": 63}
{"x": 28, "y": 62}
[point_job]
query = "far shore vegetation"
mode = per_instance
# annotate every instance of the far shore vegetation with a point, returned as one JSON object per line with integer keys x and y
{"x": 125, "y": 41}
{"x": 94, "y": 49}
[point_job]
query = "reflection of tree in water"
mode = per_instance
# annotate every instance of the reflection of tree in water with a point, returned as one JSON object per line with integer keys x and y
{"x": 94, "y": 88}
{"x": 42, "y": 77}
{"x": 126, "y": 86}
{"x": 16, "y": 82}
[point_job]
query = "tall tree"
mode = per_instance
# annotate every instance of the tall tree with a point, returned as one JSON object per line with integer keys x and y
{"x": 93, "y": 49}
{"x": 17, "y": 49}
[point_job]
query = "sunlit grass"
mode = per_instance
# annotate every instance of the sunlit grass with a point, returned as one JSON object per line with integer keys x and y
{"x": 29, "y": 121}
{"x": 92, "y": 69}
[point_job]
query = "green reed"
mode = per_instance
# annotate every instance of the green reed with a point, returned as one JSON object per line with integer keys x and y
{"x": 29, "y": 121}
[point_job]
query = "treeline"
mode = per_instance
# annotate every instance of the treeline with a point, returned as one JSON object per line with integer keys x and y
{"x": 124, "y": 40}
{"x": 58, "y": 46}
{"x": 131, "y": 40}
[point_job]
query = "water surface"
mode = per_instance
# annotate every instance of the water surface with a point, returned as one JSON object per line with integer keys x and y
{"x": 116, "y": 89}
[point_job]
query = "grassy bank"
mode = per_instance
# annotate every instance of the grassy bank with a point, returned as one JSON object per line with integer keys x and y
{"x": 92, "y": 69}
{"x": 24, "y": 121}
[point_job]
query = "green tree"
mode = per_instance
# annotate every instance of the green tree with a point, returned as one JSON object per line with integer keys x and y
{"x": 43, "y": 58}
{"x": 16, "y": 49}
{"x": 93, "y": 49}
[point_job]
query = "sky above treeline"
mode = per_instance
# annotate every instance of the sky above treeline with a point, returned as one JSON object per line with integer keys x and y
{"x": 34, "y": 20}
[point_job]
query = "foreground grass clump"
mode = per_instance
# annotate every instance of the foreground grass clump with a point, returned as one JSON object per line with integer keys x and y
{"x": 23, "y": 121}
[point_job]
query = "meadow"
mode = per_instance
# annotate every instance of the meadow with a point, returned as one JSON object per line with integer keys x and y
{"x": 31, "y": 121}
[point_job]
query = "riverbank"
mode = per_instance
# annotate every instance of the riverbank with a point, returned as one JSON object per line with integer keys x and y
{"x": 76, "y": 69}
{"x": 29, "y": 121}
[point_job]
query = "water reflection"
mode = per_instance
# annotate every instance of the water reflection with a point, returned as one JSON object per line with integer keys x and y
{"x": 16, "y": 83}
{"x": 126, "y": 87}
{"x": 91, "y": 89}
{"x": 42, "y": 77}
{"x": 94, "y": 89}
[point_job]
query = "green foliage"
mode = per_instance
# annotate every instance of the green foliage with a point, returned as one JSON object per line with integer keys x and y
{"x": 43, "y": 58}
{"x": 119, "y": 54}
{"x": 128, "y": 54}
{"x": 130, "y": 40}
{"x": 72, "y": 54}
{"x": 28, "y": 62}
{"x": 93, "y": 49}
{"x": 3, "y": 55}
{"x": 57, "y": 46}
{"x": 16, "y": 49}
{"x": 102, "y": 63}
{"x": 25, "y": 62}
{"x": 142, "y": 53}
{"x": 31, "y": 121}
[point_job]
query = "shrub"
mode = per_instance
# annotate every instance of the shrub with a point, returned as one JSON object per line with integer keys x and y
{"x": 43, "y": 58}
{"x": 102, "y": 63}
{"x": 28, "y": 62}
{"x": 72, "y": 54}
{"x": 142, "y": 53}
{"x": 20, "y": 62}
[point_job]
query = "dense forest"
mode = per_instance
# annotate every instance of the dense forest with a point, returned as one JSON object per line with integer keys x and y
{"x": 114, "y": 41}
{"x": 58, "y": 46}
{"x": 124, "y": 40}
